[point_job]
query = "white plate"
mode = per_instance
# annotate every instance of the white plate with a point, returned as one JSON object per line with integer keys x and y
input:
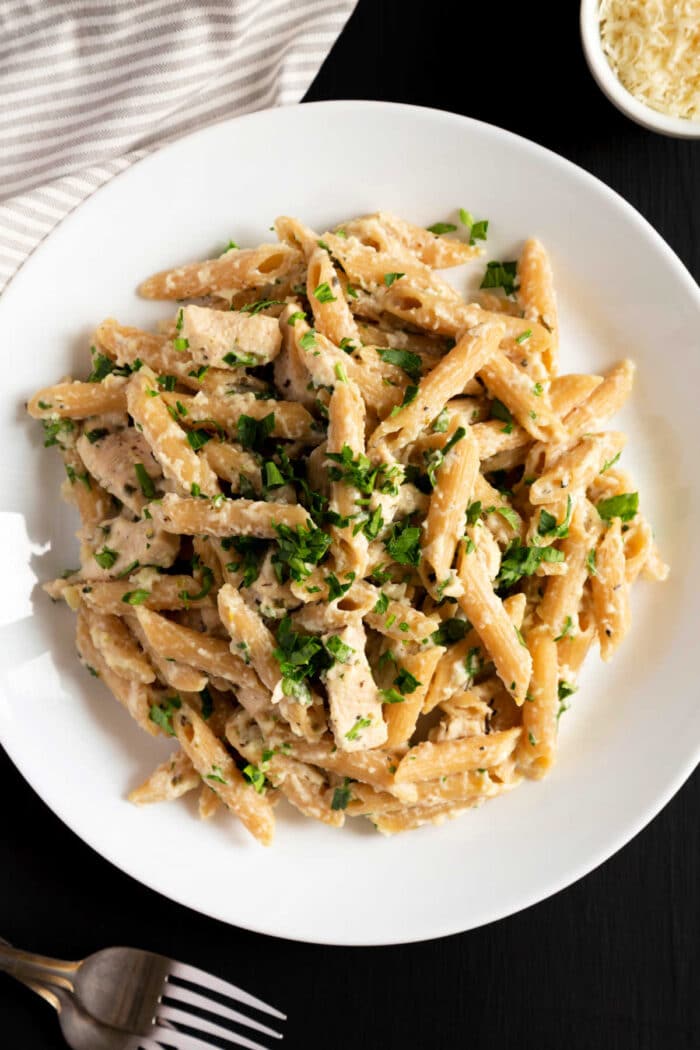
{"x": 633, "y": 735}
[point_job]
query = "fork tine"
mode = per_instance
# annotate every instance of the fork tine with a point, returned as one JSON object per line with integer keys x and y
{"x": 185, "y": 1041}
{"x": 215, "y": 984}
{"x": 170, "y": 1014}
{"x": 181, "y": 996}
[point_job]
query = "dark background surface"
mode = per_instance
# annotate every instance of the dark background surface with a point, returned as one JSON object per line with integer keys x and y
{"x": 614, "y": 960}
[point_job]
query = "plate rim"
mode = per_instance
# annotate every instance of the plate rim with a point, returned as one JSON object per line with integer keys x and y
{"x": 614, "y": 842}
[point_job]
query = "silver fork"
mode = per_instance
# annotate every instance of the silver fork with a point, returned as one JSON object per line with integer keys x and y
{"x": 143, "y": 994}
{"x": 83, "y": 1032}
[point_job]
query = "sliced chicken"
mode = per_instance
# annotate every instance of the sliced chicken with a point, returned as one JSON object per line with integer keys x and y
{"x": 267, "y": 595}
{"x": 112, "y": 460}
{"x": 229, "y": 338}
{"x": 114, "y": 546}
{"x": 353, "y": 697}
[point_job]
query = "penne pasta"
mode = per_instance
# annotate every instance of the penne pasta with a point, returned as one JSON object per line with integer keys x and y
{"x": 345, "y": 535}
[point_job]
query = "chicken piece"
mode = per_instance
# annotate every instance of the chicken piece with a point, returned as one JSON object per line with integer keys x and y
{"x": 117, "y": 545}
{"x": 112, "y": 460}
{"x": 267, "y": 595}
{"x": 229, "y": 338}
{"x": 353, "y": 698}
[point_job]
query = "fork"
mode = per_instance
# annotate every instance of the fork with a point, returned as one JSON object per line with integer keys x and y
{"x": 82, "y": 1032}
{"x": 144, "y": 995}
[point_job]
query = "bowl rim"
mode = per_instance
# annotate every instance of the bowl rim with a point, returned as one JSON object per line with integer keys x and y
{"x": 615, "y": 91}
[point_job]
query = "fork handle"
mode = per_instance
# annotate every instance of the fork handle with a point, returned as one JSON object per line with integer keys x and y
{"x": 44, "y": 993}
{"x": 28, "y": 966}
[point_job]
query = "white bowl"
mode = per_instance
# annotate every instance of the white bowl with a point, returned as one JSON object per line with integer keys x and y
{"x": 609, "y": 84}
{"x": 632, "y": 735}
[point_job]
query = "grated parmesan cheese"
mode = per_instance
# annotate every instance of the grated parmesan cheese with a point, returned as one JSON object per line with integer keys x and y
{"x": 653, "y": 47}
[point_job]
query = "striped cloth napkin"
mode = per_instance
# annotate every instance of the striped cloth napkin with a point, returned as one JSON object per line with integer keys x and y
{"x": 87, "y": 87}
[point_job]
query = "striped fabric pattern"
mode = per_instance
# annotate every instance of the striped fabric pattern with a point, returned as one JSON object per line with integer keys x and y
{"x": 87, "y": 87}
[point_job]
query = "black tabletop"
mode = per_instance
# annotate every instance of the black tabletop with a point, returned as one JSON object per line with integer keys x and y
{"x": 612, "y": 961}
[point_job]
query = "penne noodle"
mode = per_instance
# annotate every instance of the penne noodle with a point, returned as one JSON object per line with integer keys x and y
{"x": 428, "y": 761}
{"x": 236, "y": 269}
{"x": 537, "y": 745}
{"x": 345, "y": 535}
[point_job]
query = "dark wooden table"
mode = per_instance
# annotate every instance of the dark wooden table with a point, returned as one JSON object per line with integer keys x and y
{"x": 614, "y": 960}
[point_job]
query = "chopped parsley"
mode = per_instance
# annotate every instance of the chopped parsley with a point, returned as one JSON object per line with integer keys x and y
{"x": 254, "y": 776}
{"x": 95, "y": 435}
{"x": 405, "y": 682}
{"x": 624, "y": 506}
{"x": 104, "y": 366}
{"x": 145, "y": 481}
{"x": 207, "y": 581}
{"x": 451, "y": 631}
{"x": 566, "y": 629}
{"x": 55, "y": 429}
{"x": 502, "y": 412}
{"x": 374, "y": 524}
{"x": 244, "y": 360}
{"x": 339, "y": 650}
{"x": 441, "y": 422}
{"x": 610, "y": 463}
{"x": 199, "y": 373}
{"x": 340, "y": 374}
{"x": 253, "y": 432}
{"x": 409, "y": 396}
{"x": 217, "y": 775}
{"x": 409, "y": 362}
{"x": 341, "y": 795}
{"x": 73, "y": 476}
{"x": 298, "y": 315}
{"x": 196, "y": 439}
{"x": 162, "y": 713}
{"x": 474, "y": 512}
{"x": 478, "y": 229}
{"x": 391, "y": 696}
{"x": 565, "y": 690}
{"x": 547, "y": 525}
{"x": 336, "y": 589}
{"x": 436, "y": 457}
{"x": 308, "y": 340}
{"x": 523, "y": 336}
{"x": 510, "y": 516}
{"x": 441, "y": 227}
{"x": 538, "y": 390}
{"x": 360, "y": 473}
{"x": 137, "y": 597}
{"x": 324, "y": 294}
{"x": 360, "y": 724}
{"x": 261, "y": 304}
{"x": 300, "y": 656}
{"x": 382, "y": 604}
{"x": 106, "y": 557}
{"x": 166, "y": 382}
{"x": 473, "y": 663}
{"x": 299, "y": 549}
{"x": 180, "y": 343}
{"x": 207, "y": 703}
{"x": 519, "y": 561}
{"x": 590, "y": 563}
{"x": 389, "y": 278}
{"x": 501, "y": 275}
{"x": 273, "y": 475}
{"x": 403, "y": 543}
{"x": 251, "y": 551}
